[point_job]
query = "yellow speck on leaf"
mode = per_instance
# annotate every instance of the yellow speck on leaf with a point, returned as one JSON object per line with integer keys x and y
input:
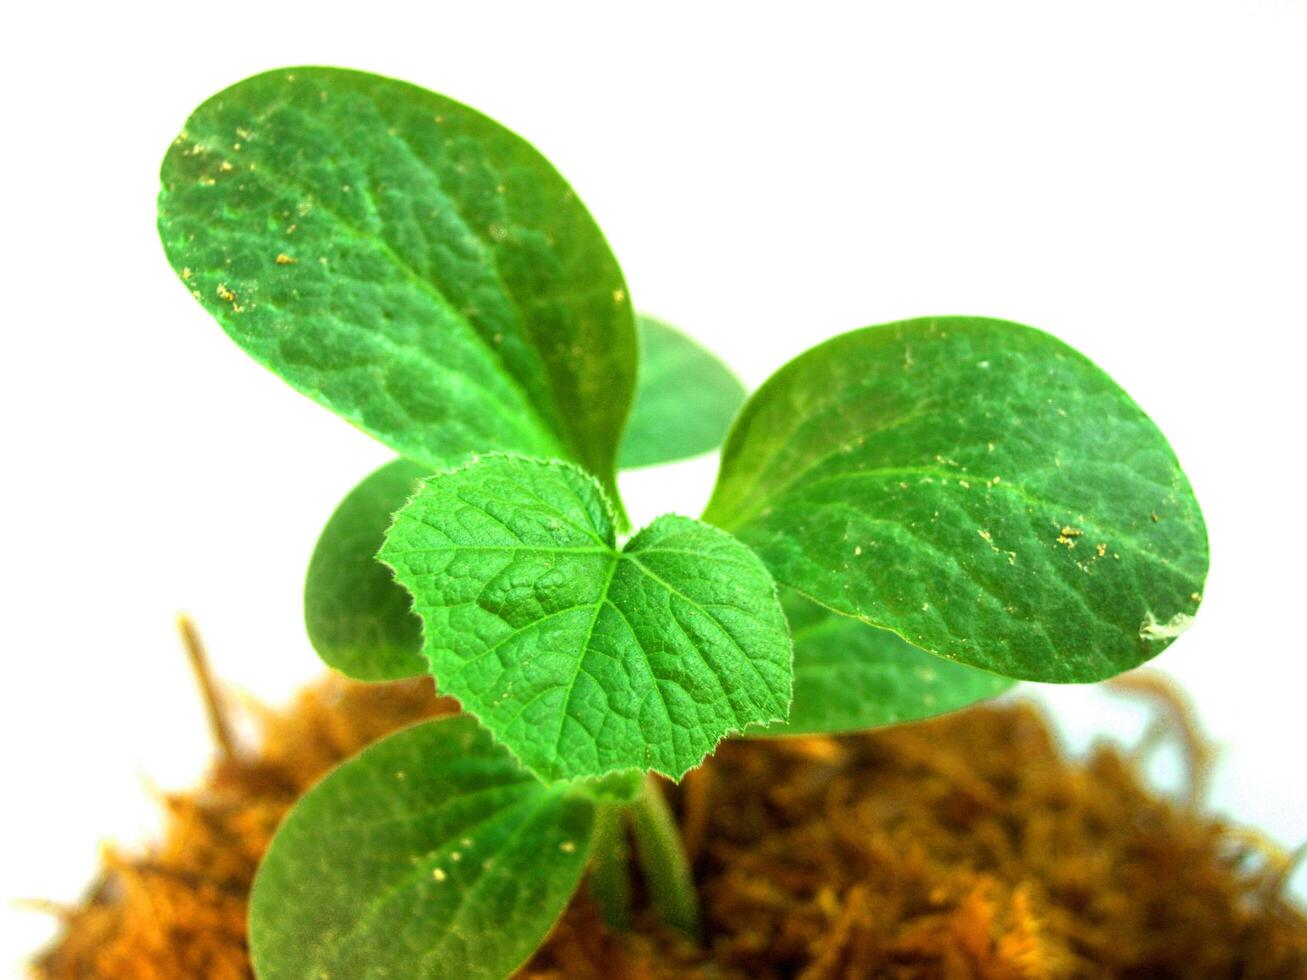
{"x": 227, "y": 296}
{"x": 284, "y": 259}
{"x": 1067, "y": 536}
{"x": 438, "y": 874}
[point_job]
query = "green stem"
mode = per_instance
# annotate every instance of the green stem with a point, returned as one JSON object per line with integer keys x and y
{"x": 610, "y": 871}
{"x": 667, "y": 874}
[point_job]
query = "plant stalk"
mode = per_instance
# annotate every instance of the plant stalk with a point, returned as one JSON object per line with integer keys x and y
{"x": 610, "y": 867}
{"x": 667, "y": 874}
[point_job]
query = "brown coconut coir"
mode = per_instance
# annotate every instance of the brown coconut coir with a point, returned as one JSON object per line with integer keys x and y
{"x": 969, "y": 846}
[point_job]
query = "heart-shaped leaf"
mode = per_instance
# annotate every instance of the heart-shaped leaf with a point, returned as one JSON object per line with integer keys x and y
{"x": 976, "y": 486}
{"x": 684, "y": 401}
{"x": 849, "y": 676}
{"x": 583, "y": 658}
{"x": 431, "y": 854}
{"x": 407, "y": 262}
{"x": 361, "y": 622}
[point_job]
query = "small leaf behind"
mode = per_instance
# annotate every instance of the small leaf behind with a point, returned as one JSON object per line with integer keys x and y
{"x": 431, "y": 854}
{"x": 849, "y": 676}
{"x": 583, "y": 658}
{"x": 976, "y": 486}
{"x": 407, "y": 262}
{"x": 684, "y": 400}
{"x": 359, "y": 619}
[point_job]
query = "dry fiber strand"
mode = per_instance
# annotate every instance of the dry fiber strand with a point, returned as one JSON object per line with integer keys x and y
{"x": 965, "y": 847}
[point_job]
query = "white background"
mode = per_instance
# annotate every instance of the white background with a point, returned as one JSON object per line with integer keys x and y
{"x": 1131, "y": 176}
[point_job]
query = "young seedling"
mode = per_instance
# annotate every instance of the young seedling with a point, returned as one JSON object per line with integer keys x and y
{"x": 908, "y": 519}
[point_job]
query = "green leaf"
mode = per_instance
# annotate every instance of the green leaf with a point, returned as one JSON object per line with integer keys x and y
{"x": 583, "y": 658}
{"x": 684, "y": 400}
{"x": 976, "y": 486}
{"x": 359, "y": 620}
{"x": 849, "y": 676}
{"x": 430, "y": 854}
{"x": 407, "y": 262}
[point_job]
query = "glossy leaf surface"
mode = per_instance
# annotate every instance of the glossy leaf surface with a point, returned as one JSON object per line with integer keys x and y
{"x": 406, "y": 261}
{"x": 976, "y": 486}
{"x": 431, "y": 854}
{"x": 581, "y": 657}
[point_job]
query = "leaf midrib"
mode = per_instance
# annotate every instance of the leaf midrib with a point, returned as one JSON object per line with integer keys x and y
{"x": 603, "y": 599}
{"x": 564, "y": 715}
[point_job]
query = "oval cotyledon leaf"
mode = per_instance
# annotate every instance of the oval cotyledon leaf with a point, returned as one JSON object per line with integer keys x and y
{"x": 976, "y": 486}
{"x": 580, "y": 656}
{"x": 405, "y": 261}
{"x": 429, "y": 855}
{"x": 359, "y": 620}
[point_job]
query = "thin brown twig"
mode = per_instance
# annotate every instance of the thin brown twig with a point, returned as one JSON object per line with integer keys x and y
{"x": 219, "y": 724}
{"x": 1199, "y": 754}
